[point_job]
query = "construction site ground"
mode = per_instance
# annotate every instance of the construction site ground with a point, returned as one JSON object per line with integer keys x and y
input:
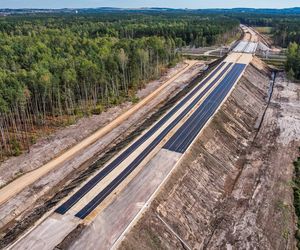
{"x": 24, "y": 208}
{"x": 233, "y": 188}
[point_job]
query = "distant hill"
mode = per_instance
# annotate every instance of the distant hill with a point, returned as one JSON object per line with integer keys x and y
{"x": 295, "y": 10}
{"x": 289, "y": 11}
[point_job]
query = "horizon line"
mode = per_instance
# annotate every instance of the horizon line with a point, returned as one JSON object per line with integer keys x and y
{"x": 140, "y": 8}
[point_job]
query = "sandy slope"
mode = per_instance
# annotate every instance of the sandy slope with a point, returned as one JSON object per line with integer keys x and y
{"x": 20, "y": 183}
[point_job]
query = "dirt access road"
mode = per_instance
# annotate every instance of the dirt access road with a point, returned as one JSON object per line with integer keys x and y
{"x": 42, "y": 234}
{"x": 25, "y": 180}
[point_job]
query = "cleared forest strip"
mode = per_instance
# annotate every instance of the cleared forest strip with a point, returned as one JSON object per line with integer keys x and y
{"x": 50, "y": 189}
{"x": 196, "y": 186}
{"x": 29, "y": 178}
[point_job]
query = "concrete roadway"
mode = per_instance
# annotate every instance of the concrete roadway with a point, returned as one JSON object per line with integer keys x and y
{"x": 149, "y": 135}
{"x": 139, "y": 150}
{"x": 99, "y": 194}
{"x": 29, "y": 178}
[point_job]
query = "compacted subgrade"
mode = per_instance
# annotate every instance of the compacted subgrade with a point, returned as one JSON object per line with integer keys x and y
{"x": 15, "y": 228}
{"x": 230, "y": 191}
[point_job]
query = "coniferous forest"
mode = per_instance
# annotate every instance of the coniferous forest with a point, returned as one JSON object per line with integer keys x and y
{"x": 56, "y": 68}
{"x": 285, "y": 32}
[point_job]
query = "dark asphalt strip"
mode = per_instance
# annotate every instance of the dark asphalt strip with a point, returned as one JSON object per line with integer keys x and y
{"x": 184, "y": 130}
{"x": 185, "y": 135}
{"x": 108, "y": 189}
{"x": 212, "y": 107}
{"x": 96, "y": 179}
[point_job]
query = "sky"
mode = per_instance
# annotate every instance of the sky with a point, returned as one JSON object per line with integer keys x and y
{"x": 192, "y": 4}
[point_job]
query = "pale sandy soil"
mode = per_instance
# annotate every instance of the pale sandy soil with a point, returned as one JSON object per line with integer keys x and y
{"x": 259, "y": 212}
{"x": 48, "y": 148}
{"x": 232, "y": 190}
{"x": 33, "y": 196}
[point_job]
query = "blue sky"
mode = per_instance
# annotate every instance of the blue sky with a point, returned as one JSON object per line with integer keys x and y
{"x": 194, "y": 4}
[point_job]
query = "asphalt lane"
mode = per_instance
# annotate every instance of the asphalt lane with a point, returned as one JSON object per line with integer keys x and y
{"x": 209, "y": 107}
{"x": 133, "y": 165}
{"x": 103, "y": 173}
{"x": 228, "y": 81}
{"x": 184, "y": 136}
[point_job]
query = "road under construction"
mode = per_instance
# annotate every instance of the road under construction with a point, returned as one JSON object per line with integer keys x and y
{"x": 113, "y": 198}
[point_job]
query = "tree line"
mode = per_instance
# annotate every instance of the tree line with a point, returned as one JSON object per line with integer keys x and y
{"x": 285, "y": 28}
{"x": 66, "y": 66}
{"x": 293, "y": 61}
{"x": 285, "y": 32}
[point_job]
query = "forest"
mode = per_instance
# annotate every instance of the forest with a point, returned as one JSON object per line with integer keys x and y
{"x": 287, "y": 34}
{"x": 55, "y": 68}
{"x": 285, "y": 28}
{"x": 293, "y": 61}
{"x": 285, "y": 31}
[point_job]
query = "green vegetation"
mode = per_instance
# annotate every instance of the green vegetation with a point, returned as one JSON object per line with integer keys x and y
{"x": 284, "y": 31}
{"x": 55, "y": 68}
{"x": 293, "y": 61}
{"x": 283, "y": 28}
{"x": 278, "y": 63}
{"x": 264, "y": 29}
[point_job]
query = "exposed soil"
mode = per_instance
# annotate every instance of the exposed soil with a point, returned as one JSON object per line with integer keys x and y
{"x": 71, "y": 237}
{"x": 232, "y": 190}
{"x": 21, "y": 212}
{"x": 49, "y": 147}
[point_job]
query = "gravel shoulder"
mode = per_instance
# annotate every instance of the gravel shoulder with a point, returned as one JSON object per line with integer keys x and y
{"x": 232, "y": 190}
{"x": 34, "y": 201}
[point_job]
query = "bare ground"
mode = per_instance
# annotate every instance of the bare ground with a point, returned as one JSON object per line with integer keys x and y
{"x": 232, "y": 190}
{"x": 17, "y": 214}
{"x": 53, "y": 145}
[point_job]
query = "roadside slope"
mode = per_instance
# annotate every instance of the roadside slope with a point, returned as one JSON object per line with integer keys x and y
{"x": 28, "y": 178}
{"x": 208, "y": 202}
{"x": 20, "y": 212}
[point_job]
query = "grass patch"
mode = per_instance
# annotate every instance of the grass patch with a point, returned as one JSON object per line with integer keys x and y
{"x": 264, "y": 30}
{"x": 277, "y": 63}
{"x": 200, "y": 57}
{"x": 135, "y": 99}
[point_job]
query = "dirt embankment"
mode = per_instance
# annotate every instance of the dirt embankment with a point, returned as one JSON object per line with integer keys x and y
{"x": 232, "y": 190}
{"x": 55, "y": 144}
{"x": 20, "y": 212}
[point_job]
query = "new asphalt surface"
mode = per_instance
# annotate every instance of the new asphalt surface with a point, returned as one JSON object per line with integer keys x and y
{"x": 103, "y": 173}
